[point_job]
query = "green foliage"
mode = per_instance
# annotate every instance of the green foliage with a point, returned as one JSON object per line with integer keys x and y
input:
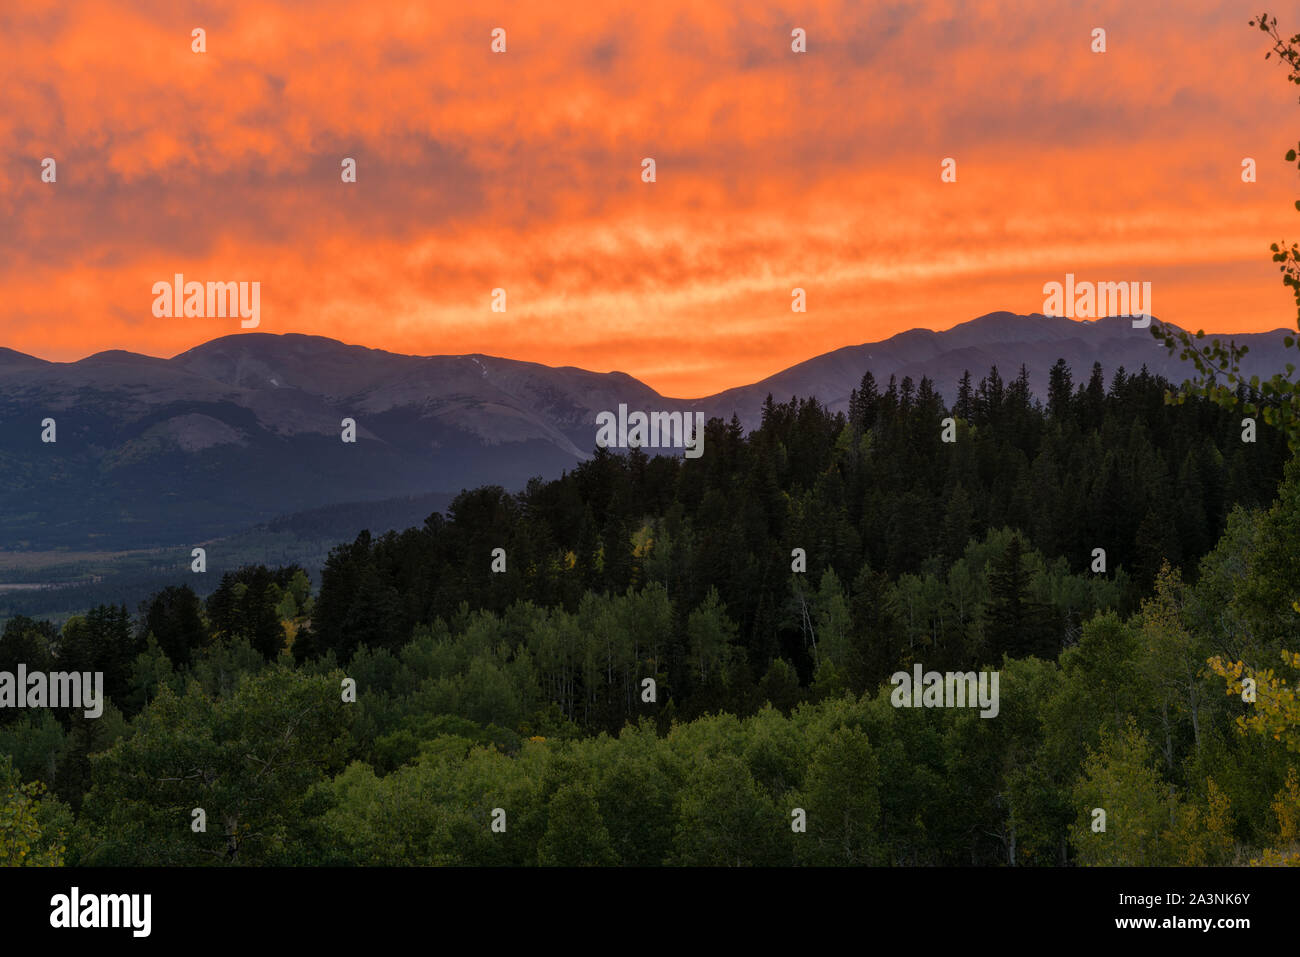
{"x": 575, "y": 835}
{"x": 245, "y": 759}
{"x": 32, "y": 828}
{"x": 841, "y": 797}
{"x": 1119, "y": 779}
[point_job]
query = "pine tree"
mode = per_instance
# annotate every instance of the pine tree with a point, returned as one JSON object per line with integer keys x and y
{"x": 1016, "y": 624}
{"x": 965, "y": 407}
{"x": 1059, "y": 391}
{"x": 174, "y": 617}
{"x": 868, "y": 402}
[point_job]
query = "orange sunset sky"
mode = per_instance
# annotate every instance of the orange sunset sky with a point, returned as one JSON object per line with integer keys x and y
{"x": 522, "y": 171}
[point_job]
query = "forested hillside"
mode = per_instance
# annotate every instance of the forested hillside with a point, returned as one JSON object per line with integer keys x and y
{"x": 669, "y": 661}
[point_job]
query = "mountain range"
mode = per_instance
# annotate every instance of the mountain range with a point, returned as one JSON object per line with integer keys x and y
{"x": 245, "y": 428}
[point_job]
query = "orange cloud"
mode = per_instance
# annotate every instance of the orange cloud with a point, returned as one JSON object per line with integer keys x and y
{"x": 522, "y": 171}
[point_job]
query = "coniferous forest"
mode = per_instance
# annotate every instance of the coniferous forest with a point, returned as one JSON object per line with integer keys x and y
{"x": 666, "y": 661}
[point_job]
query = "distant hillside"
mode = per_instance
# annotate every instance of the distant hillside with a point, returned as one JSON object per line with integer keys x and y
{"x": 167, "y": 452}
{"x": 1000, "y": 338}
{"x": 60, "y": 584}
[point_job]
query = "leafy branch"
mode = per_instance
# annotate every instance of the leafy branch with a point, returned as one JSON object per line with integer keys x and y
{"x": 1218, "y": 367}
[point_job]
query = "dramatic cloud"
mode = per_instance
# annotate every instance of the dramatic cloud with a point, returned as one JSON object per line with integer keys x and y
{"x": 522, "y": 171}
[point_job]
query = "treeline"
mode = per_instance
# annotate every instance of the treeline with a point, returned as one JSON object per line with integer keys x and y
{"x": 875, "y": 497}
{"x": 681, "y": 656}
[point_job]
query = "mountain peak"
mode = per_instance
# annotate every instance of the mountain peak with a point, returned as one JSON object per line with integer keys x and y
{"x": 121, "y": 357}
{"x": 12, "y": 359}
